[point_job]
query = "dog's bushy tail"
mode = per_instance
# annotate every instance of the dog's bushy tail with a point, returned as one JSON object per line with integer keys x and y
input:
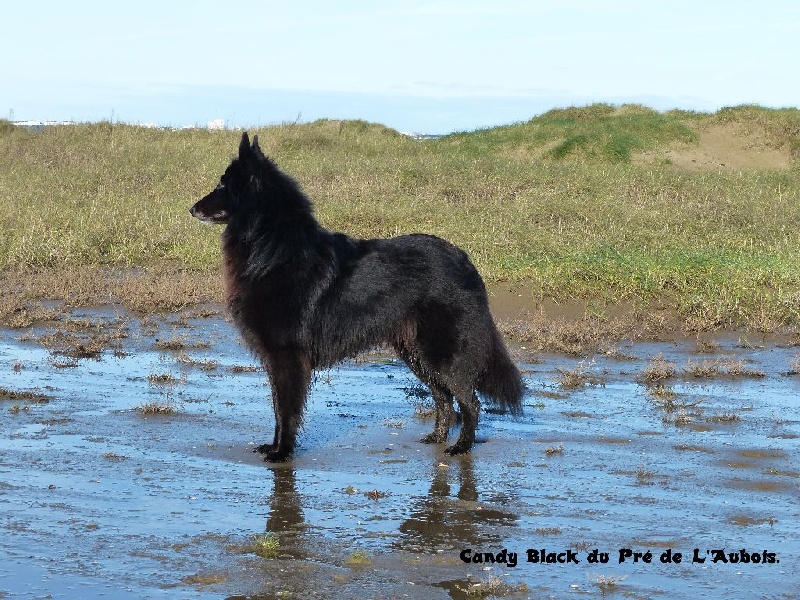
{"x": 501, "y": 382}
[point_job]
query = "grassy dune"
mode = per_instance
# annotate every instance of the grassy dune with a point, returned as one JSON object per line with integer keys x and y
{"x": 587, "y": 203}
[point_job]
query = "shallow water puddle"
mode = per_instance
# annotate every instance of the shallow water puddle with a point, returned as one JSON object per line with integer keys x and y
{"x": 102, "y": 498}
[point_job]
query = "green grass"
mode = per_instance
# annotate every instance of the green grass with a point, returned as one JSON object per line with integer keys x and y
{"x": 266, "y": 545}
{"x": 597, "y": 131}
{"x": 558, "y": 200}
{"x": 358, "y": 559}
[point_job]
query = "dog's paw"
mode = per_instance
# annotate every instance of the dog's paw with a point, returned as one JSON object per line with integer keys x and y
{"x": 276, "y": 456}
{"x": 434, "y": 438}
{"x": 273, "y": 453}
{"x": 457, "y": 449}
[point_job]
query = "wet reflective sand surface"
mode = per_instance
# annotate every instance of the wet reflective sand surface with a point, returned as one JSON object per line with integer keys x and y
{"x": 130, "y": 474}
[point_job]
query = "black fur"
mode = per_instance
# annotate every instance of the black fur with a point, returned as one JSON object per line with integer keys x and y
{"x": 304, "y": 297}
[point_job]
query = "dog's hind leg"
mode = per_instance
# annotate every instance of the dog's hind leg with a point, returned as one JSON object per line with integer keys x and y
{"x": 470, "y": 407}
{"x": 289, "y": 376}
{"x": 445, "y": 415}
{"x": 442, "y": 397}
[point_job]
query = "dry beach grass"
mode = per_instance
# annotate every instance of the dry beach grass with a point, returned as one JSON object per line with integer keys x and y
{"x": 687, "y": 219}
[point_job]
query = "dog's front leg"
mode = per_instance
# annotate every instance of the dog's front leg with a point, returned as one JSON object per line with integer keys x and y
{"x": 289, "y": 375}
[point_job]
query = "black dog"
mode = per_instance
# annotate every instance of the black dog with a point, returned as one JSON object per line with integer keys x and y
{"x": 304, "y": 297}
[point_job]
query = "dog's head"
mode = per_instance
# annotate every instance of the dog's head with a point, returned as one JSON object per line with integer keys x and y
{"x": 233, "y": 187}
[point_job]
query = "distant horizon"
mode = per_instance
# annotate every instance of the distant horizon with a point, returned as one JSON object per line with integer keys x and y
{"x": 223, "y": 123}
{"x": 252, "y": 108}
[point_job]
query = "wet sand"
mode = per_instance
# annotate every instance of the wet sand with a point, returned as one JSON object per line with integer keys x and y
{"x": 101, "y": 500}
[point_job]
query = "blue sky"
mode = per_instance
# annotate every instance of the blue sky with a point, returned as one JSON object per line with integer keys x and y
{"x": 425, "y": 66}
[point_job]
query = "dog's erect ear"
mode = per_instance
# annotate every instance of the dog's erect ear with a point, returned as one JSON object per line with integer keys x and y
{"x": 244, "y": 146}
{"x": 256, "y": 149}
